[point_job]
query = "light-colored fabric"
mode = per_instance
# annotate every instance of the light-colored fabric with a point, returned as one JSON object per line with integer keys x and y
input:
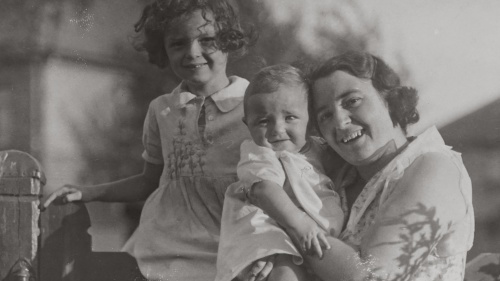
{"x": 178, "y": 234}
{"x": 446, "y": 261}
{"x": 249, "y": 234}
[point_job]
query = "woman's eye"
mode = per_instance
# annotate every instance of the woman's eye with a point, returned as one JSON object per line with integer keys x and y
{"x": 352, "y": 102}
{"x": 324, "y": 116}
{"x": 291, "y": 117}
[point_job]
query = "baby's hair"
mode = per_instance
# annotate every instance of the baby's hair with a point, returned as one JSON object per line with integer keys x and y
{"x": 402, "y": 101}
{"x": 158, "y": 17}
{"x": 270, "y": 78}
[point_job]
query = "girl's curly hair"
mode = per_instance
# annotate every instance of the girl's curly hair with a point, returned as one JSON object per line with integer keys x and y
{"x": 158, "y": 17}
{"x": 402, "y": 101}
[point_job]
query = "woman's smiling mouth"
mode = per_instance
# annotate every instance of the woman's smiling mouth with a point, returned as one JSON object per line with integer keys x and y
{"x": 352, "y": 136}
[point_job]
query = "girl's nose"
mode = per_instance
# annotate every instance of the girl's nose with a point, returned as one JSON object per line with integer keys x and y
{"x": 194, "y": 49}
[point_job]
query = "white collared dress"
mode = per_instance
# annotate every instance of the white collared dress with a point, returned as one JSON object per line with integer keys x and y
{"x": 178, "y": 234}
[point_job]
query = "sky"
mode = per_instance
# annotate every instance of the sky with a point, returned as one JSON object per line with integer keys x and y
{"x": 452, "y": 49}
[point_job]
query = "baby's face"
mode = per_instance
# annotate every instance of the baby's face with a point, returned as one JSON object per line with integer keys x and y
{"x": 278, "y": 120}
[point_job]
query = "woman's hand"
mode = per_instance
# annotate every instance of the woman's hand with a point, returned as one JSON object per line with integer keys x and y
{"x": 65, "y": 194}
{"x": 308, "y": 236}
{"x": 260, "y": 269}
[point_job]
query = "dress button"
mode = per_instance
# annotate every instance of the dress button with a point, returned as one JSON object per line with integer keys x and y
{"x": 211, "y": 118}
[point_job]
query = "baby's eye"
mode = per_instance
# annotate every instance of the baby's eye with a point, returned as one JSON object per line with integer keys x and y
{"x": 352, "y": 102}
{"x": 262, "y": 122}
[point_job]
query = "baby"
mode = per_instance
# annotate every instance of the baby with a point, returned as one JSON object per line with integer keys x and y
{"x": 283, "y": 203}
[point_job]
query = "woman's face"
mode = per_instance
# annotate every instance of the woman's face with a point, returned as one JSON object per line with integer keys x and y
{"x": 354, "y": 119}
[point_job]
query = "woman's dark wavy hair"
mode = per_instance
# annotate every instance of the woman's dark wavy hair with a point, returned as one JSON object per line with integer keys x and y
{"x": 159, "y": 16}
{"x": 402, "y": 101}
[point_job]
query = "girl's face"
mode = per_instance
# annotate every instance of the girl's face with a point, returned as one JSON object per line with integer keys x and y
{"x": 278, "y": 120}
{"x": 192, "y": 52}
{"x": 354, "y": 119}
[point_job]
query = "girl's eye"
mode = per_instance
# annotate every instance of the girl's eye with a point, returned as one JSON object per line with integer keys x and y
{"x": 291, "y": 118}
{"x": 207, "y": 42}
{"x": 352, "y": 102}
{"x": 177, "y": 44}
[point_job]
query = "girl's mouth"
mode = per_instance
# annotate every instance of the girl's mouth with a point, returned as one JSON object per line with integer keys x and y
{"x": 196, "y": 66}
{"x": 352, "y": 136}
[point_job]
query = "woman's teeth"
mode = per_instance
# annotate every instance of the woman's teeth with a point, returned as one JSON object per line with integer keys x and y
{"x": 352, "y": 136}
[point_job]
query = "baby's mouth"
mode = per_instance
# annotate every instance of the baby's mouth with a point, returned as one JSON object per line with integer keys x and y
{"x": 352, "y": 136}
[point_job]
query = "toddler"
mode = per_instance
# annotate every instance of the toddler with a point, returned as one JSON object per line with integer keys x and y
{"x": 283, "y": 203}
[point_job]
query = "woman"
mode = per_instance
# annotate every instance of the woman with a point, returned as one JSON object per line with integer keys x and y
{"x": 409, "y": 205}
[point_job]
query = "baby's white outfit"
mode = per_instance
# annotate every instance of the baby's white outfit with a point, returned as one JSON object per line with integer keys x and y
{"x": 247, "y": 233}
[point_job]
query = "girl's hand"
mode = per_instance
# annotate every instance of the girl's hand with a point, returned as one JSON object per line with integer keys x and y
{"x": 308, "y": 236}
{"x": 260, "y": 269}
{"x": 67, "y": 193}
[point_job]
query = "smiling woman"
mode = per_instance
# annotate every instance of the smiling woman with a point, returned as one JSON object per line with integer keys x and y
{"x": 409, "y": 198}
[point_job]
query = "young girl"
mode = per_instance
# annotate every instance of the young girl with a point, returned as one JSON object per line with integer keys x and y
{"x": 282, "y": 183}
{"x": 191, "y": 139}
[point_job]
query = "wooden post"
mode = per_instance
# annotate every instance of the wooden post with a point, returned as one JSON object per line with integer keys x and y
{"x": 21, "y": 182}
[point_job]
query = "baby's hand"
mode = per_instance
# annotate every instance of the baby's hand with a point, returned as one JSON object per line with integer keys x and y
{"x": 65, "y": 194}
{"x": 260, "y": 269}
{"x": 308, "y": 236}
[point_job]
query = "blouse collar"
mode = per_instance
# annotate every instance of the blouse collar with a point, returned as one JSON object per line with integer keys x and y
{"x": 226, "y": 99}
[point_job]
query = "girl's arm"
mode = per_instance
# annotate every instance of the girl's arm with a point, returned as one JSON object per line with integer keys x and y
{"x": 135, "y": 188}
{"x": 424, "y": 204}
{"x": 303, "y": 230}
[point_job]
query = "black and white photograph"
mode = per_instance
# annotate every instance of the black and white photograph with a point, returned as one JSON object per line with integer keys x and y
{"x": 249, "y": 140}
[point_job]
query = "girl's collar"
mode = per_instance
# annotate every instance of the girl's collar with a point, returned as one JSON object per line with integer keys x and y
{"x": 226, "y": 99}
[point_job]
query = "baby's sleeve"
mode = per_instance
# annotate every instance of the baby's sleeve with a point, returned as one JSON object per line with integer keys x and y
{"x": 259, "y": 163}
{"x": 151, "y": 138}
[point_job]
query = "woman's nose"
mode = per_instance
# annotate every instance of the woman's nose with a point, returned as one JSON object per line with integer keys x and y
{"x": 341, "y": 118}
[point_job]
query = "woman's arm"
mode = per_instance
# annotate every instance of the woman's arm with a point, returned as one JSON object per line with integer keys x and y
{"x": 424, "y": 204}
{"x": 135, "y": 188}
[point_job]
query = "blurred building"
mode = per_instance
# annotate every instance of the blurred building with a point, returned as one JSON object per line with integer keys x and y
{"x": 477, "y": 137}
{"x": 74, "y": 92}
